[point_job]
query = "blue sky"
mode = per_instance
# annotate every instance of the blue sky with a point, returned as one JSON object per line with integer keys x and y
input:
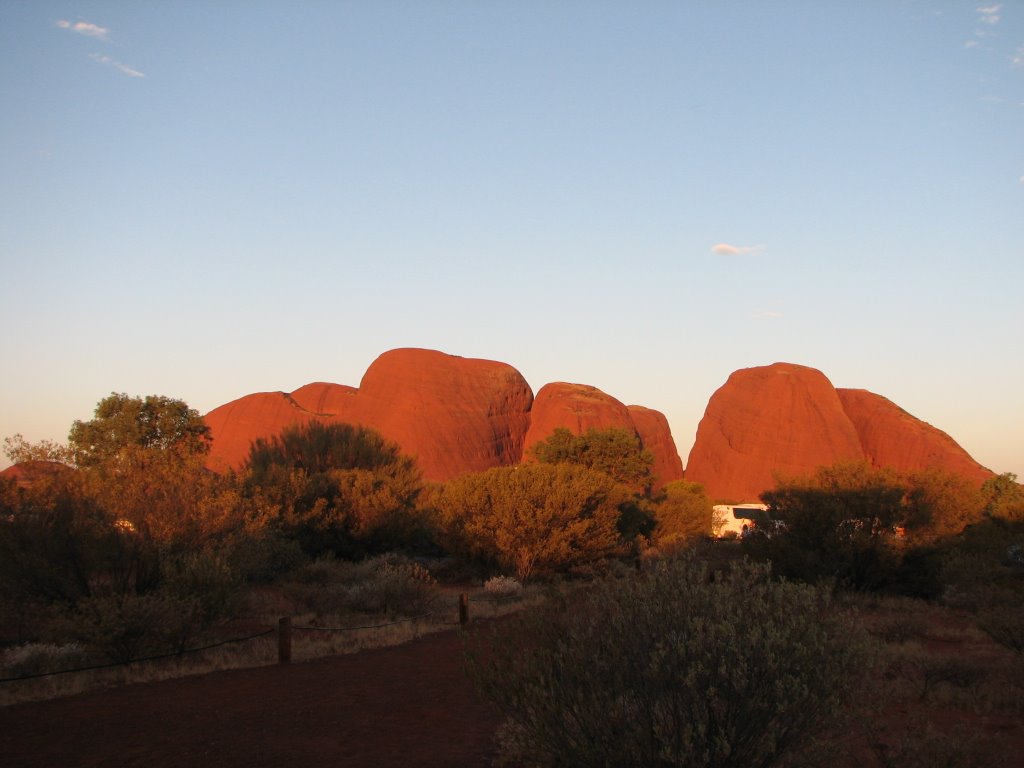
{"x": 203, "y": 200}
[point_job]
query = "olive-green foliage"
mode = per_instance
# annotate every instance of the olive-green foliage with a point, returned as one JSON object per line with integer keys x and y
{"x": 137, "y": 546}
{"x": 940, "y": 503}
{"x": 19, "y": 450}
{"x": 616, "y": 452}
{"x": 385, "y": 584}
{"x": 339, "y": 488}
{"x": 533, "y": 518}
{"x": 121, "y": 421}
{"x": 671, "y": 668}
{"x": 683, "y": 514}
{"x": 840, "y": 523}
{"x": 1004, "y": 497}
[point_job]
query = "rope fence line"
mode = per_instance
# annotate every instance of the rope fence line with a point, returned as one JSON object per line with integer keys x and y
{"x": 157, "y": 657}
{"x": 365, "y": 626}
{"x": 284, "y": 640}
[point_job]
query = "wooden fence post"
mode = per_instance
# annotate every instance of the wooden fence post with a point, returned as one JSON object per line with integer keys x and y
{"x": 463, "y": 609}
{"x": 284, "y": 640}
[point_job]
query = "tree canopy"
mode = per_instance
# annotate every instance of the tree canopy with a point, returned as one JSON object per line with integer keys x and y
{"x": 121, "y": 421}
{"x": 339, "y": 488}
{"x": 683, "y": 513}
{"x": 616, "y": 452}
{"x": 533, "y": 518}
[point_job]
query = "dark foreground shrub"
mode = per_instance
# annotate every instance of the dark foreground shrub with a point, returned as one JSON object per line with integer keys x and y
{"x": 670, "y": 668}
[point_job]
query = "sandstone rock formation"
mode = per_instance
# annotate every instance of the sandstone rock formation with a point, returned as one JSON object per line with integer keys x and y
{"x": 454, "y": 414}
{"x": 579, "y": 407}
{"x": 787, "y": 420}
{"x": 235, "y": 425}
{"x": 777, "y": 419}
{"x": 655, "y": 434}
{"x": 891, "y": 437}
{"x": 576, "y": 407}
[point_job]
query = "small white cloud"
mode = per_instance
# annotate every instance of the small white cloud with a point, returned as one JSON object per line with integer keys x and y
{"x": 124, "y": 68}
{"x": 768, "y": 314}
{"x": 989, "y": 14}
{"x": 85, "y": 28}
{"x": 970, "y": 43}
{"x": 1022, "y": 179}
{"x": 725, "y": 249}
{"x": 1018, "y": 58}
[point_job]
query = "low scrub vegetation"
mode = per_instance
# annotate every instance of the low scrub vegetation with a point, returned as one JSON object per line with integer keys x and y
{"x": 672, "y": 666}
{"x": 656, "y": 646}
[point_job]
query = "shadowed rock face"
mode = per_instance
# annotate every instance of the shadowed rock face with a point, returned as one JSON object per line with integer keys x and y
{"x": 578, "y": 408}
{"x": 787, "y": 420}
{"x": 778, "y": 419}
{"x": 891, "y": 437}
{"x": 652, "y": 426}
{"x": 454, "y": 414}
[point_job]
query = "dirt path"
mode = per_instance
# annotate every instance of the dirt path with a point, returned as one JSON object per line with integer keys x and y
{"x": 409, "y": 705}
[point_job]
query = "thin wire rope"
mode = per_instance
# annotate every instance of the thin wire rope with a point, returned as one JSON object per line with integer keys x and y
{"x": 365, "y": 626}
{"x": 113, "y": 664}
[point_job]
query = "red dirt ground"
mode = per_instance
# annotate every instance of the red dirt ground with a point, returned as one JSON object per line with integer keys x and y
{"x": 410, "y": 705}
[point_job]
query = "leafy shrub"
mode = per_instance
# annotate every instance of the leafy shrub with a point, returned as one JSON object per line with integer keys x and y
{"x": 500, "y": 588}
{"x": 671, "y": 667}
{"x": 534, "y": 518}
{"x": 132, "y": 627}
{"x": 394, "y": 585}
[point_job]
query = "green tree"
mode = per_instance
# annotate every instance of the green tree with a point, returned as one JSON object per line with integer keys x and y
{"x": 670, "y": 667}
{"x": 20, "y": 450}
{"x": 683, "y": 514}
{"x": 1004, "y": 497}
{"x": 121, "y": 421}
{"x": 616, "y": 452}
{"x": 840, "y": 523}
{"x": 339, "y": 487}
{"x": 940, "y": 503}
{"x": 533, "y": 518}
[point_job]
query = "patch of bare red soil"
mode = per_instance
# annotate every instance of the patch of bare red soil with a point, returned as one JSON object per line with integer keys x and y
{"x": 409, "y": 705}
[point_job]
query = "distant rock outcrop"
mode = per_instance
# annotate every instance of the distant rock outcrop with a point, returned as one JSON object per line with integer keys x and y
{"x": 25, "y": 474}
{"x": 454, "y": 414}
{"x": 787, "y": 420}
{"x": 777, "y": 419}
{"x": 580, "y": 407}
{"x": 655, "y": 434}
{"x": 235, "y": 425}
{"x": 576, "y": 407}
{"x": 891, "y": 437}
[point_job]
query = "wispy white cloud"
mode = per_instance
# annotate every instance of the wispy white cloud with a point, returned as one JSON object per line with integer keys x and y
{"x": 1018, "y": 57}
{"x": 725, "y": 249}
{"x": 124, "y": 68}
{"x": 989, "y": 14}
{"x": 768, "y": 314}
{"x": 85, "y": 28}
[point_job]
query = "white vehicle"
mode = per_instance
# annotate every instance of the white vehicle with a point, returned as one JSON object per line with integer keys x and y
{"x": 739, "y": 520}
